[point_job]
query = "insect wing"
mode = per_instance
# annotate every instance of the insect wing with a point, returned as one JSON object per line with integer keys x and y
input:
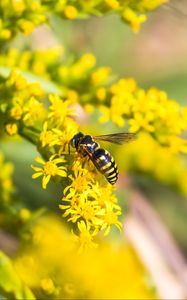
{"x": 117, "y": 138}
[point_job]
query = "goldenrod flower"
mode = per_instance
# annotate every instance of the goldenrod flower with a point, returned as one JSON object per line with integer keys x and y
{"x": 33, "y": 111}
{"x": 47, "y": 285}
{"x": 81, "y": 180}
{"x": 85, "y": 237}
{"x": 18, "y": 6}
{"x": 48, "y": 137}
{"x": 100, "y": 75}
{"x": 64, "y": 136}
{"x": 11, "y": 128}
{"x": 82, "y": 208}
{"x": 110, "y": 217}
{"x": 112, "y": 3}
{"x": 50, "y": 169}
{"x": 86, "y": 199}
{"x": 60, "y": 109}
{"x": 26, "y": 26}
{"x": 24, "y": 214}
{"x": 135, "y": 20}
{"x": 70, "y": 12}
{"x": 141, "y": 121}
{"x": 16, "y": 112}
{"x": 88, "y": 60}
{"x": 101, "y": 94}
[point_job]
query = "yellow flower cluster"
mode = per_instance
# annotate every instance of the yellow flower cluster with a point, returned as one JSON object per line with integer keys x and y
{"x": 19, "y": 102}
{"x": 52, "y": 268}
{"x": 50, "y": 127}
{"x": 120, "y": 102}
{"x": 87, "y": 201}
{"x": 150, "y": 111}
{"x": 92, "y": 205}
{"x": 146, "y": 156}
{"x": 130, "y": 11}
{"x": 24, "y": 16}
{"x": 19, "y": 15}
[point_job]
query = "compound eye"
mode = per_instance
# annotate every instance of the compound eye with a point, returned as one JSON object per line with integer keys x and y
{"x": 72, "y": 142}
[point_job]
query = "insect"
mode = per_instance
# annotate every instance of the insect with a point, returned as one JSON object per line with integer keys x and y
{"x": 86, "y": 145}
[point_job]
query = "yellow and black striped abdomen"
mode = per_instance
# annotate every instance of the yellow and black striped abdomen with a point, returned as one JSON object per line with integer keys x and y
{"x": 105, "y": 163}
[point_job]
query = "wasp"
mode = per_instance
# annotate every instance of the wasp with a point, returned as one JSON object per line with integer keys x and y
{"x": 86, "y": 145}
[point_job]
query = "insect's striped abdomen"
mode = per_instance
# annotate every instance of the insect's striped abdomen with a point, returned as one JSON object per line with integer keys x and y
{"x": 105, "y": 163}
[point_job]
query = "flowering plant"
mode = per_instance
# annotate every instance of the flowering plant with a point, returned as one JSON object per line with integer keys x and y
{"x": 45, "y": 99}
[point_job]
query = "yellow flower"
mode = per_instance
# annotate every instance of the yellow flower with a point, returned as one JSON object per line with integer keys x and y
{"x": 18, "y": 6}
{"x": 24, "y": 214}
{"x": 35, "y": 89}
{"x": 88, "y": 60}
{"x": 70, "y": 12}
{"x": 101, "y": 94}
{"x": 17, "y": 80}
{"x": 85, "y": 237}
{"x": 115, "y": 113}
{"x": 47, "y": 285}
{"x": 34, "y": 110}
{"x": 110, "y": 217}
{"x": 5, "y": 34}
{"x": 82, "y": 208}
{"x": 177, "y": 144}
{"x": 64, "y": 136}
{"x": 86, "y": 199}
{"x": 26, "y": 26}
{"x": 141, "y": 121}
{"x": 100, "y": 75}
{"x": 81, "y": 180}
{"x": 60, "y": 109}
{"x": 124, "y": 86}
{"x": 89, "y": 108}
{"x": 16, "y": 112}
{"x": 48, "y": 137}
{"x": 72, "y": 96}
{"x": 114, "y": 4}
{"x": 135, "y": 20}
{"x": 50, "y": 169}
{"x": 11, "y": 128}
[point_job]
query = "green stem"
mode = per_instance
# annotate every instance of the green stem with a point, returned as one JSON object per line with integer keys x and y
{"x": 30, "y": 135}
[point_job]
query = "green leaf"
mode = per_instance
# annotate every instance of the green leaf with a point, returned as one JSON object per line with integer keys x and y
{"x": 10, "y": 281}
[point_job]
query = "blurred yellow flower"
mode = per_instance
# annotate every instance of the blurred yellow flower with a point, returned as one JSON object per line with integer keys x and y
{"x": 112, "y": 3}
{"x": 100, "y": 75}
{"x": 11, "y": 128}
{"x": 85, "y": 237}
{"x": 135, "y": 20}
{"x": 70, "y": 12}
{"x": 24, "y": 214}
{"x": 90, "y": 273}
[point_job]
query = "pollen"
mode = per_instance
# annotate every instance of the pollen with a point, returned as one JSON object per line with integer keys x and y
{"x": 50, "y": 168}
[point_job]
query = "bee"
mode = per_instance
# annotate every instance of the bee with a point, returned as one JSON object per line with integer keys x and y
{"x": 86, "y": 145}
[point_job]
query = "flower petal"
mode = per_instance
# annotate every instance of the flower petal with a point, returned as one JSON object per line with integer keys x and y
{"x": 45, "y": 181}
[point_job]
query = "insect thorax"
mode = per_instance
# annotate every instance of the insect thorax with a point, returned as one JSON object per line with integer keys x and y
{"x": 88, "y": 145}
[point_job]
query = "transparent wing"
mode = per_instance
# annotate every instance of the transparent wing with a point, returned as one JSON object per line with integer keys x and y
{"x": 117, "y": 138}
